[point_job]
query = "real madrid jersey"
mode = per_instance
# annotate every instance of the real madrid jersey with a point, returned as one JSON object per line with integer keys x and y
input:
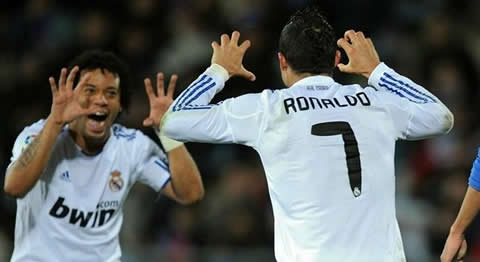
{"x": 328, "y": 153}
{"x": 74, "y": 211}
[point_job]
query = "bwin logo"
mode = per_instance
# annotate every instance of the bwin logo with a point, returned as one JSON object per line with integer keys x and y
{"x": 100, "y": 216}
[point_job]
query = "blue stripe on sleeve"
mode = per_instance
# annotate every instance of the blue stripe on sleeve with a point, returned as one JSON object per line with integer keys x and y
{"x": 410, "y": 94}
{"x": 474, "y": 180}
{"x": 195, "y": 107}
{"x": 162, "y": 165}
{"x": 411, "y": 87}
{"x": 191, "y": 91}
{"x": 182, "y": 96}
{"x": 200, "y": 93}
{"x": 166, "y": 182}
{"x": 395, "y": 91}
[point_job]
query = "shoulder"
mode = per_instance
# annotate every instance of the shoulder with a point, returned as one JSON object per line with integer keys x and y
{"x": 130, "y": 136}
{"x": 31, "y": 131}
{"x": 27, "y": 135}
{"x": 123, "y": 133}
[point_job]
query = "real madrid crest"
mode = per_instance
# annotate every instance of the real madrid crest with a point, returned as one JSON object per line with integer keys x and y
{"x": 116, "y": 181}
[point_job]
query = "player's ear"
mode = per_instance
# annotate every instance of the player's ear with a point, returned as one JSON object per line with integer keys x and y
{"x": 338, "y": 57}
{"x": 282, "y": 61}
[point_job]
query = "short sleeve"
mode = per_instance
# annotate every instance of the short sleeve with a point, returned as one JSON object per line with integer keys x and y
{"x": 474, "y": 180}
{"x": 152, "y": 168}
{"x": 24, "y": 139}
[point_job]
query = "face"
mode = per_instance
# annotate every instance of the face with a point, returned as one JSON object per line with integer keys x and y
{"x": 102, "y": 92}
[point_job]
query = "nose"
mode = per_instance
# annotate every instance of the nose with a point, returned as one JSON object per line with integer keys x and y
{"x": 100, "y": 99}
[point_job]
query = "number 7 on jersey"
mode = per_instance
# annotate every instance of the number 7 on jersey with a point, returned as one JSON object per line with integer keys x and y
{"x": 351, "y": 150}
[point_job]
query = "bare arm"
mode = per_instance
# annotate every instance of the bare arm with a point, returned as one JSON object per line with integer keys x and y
{"x": 456, "y": 243}
{"x": 26, "y": 170}
{"x": 186, "y": 185}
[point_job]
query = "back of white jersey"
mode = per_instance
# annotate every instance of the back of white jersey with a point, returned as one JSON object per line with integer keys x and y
{"x": 328, "y": 153}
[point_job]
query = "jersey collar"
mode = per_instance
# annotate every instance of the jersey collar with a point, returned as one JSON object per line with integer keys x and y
{"x": 314, "y": 80}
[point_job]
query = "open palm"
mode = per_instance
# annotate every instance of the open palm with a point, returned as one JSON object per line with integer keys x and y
{"x": 65, "y": 105}
{"x": 159, "y": 102}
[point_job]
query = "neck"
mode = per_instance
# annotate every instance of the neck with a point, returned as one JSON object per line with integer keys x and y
{"x": 89, "y": 146}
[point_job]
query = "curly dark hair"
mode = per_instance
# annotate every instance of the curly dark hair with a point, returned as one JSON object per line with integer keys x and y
{"x": 308, "y": 42}
{"x": 104, "y": 60}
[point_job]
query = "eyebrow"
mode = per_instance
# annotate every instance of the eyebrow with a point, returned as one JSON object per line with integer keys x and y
{"x": 108, "y": 87}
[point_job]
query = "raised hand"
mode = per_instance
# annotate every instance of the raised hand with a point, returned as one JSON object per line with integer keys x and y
{"x": 230, "y": 55}
{"x": 159, "y": 103}
{"x": 454, "y": 250}
{"x": 362, "y": 56}
{"x": 65, "y": 105}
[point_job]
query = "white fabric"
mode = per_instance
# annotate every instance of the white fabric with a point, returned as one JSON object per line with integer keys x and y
{"x": 74, "y": 212}
{"x": 318, "y": 216}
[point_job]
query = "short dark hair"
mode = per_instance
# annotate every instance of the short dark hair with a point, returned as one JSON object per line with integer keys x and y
{"x": 104, "y": 60}
{"x": 308, "y": 42}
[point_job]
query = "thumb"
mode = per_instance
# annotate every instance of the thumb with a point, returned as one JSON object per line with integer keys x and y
{"x": 343, "y": 67}
{"x": 148, "y": 122}
{"x": 248, "y": 75}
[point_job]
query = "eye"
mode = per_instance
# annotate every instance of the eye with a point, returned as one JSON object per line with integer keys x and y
{"x": 112, "y": 93}
{"x": 89, "y": 90}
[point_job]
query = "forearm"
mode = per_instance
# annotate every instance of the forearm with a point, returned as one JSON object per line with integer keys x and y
{"x": 191, "y": 117}
{"x": 429, "y": 116}
{"x": 468, "y": 211}
{"x": 26, "y": 170}
{"x": 186, "y": 181}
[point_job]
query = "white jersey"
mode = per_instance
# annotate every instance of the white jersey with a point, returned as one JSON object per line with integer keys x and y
{"x": 328, "y": 153}
{"x": 74, "y": 211}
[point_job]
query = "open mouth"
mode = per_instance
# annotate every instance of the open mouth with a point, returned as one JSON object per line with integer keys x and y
{"x": 99, "y": 117}
{"x": 96, "y": 122}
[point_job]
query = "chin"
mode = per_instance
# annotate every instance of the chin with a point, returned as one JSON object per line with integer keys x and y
{"x": 97, "y": 137}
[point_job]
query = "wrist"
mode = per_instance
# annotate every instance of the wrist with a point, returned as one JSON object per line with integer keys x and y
{"x": 54, "y": 125}
{"x": 455, "y": 231}
{"x": 219, "y": 70}
{"x": 167, "y": 143}
{"x": 369, "y": 72}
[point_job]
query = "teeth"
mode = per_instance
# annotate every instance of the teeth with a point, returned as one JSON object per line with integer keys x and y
{"x": 100, "y": 114}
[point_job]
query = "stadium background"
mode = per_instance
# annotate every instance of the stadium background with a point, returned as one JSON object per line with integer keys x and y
{"x": 435, "y": 42}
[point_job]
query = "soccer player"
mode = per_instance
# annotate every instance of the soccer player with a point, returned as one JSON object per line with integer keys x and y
{"x": 327, "y": 149}
{"x": 456, "y": 246}
{"x": 72, "y": 172}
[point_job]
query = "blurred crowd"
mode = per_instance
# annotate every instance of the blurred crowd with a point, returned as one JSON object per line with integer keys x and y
{"x": 434, "y": 42}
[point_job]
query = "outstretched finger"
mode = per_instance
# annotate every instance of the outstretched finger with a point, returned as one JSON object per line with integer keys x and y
{"x": 160, "y": 84}
{"x": 224, "y": 40}
{"x": 71, "y": 77}
{"x": 61, "y": 80}
{"x": 215, "y": 46}
{"x": 83, "y": 80}
{"x": 149, "y": 89}
{"x": 235, "y": 37}
{"x": 245, "y": 45}
{"x": 53, "y": 86}
{"x": 171, "y": 85}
